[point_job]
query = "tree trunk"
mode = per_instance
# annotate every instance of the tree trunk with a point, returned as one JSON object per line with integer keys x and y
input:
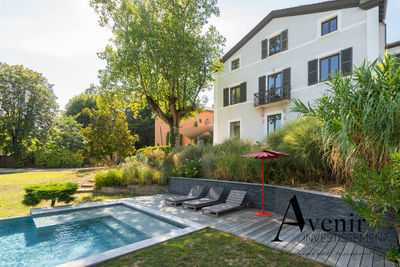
{"x": 174, "y": 136}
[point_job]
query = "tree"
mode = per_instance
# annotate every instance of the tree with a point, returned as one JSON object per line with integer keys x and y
{"x": 28, "y": 108}
{"x": 162, "y": 53}
{"x": 143, "y": 125}
{"x": 77, "y": 104}
{"x": 108, "y": 135}
{"x": 67, "y": 134}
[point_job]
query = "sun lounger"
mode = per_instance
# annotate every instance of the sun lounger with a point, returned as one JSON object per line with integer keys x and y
{"x": 195, "y": 193}
{"x": 234, "y": 201}
{"x": 213, "y": 197}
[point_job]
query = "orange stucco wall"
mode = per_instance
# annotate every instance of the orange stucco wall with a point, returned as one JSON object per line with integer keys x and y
{"x": 161, "y": 129}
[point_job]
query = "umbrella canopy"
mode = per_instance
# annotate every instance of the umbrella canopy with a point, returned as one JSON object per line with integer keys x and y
{"x": 265, "y": 154}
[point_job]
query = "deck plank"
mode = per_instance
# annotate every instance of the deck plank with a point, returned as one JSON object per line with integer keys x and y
{"x": 356, "y": 256}
{"x": 344, "y": 258}
{"x": 243, "y": 223}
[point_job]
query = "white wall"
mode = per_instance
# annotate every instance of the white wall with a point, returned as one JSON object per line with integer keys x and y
{"x": 305, "y": 44}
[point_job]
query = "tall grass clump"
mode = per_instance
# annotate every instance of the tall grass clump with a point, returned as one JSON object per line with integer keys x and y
{"x": 301, "y": 139}
{"x": 111, "y": 178}
{"x": 359, "y": 115}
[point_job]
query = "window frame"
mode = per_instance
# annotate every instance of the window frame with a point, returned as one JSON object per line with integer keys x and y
{"x": 329, "y": 21}
{"x": 238, "y": 64}
{"x": 275, "y": 127}
{"x": 235, "y": 89}
{"x": 231, "y": 129}
{"x": 329, "y": 66}
{"x": 270, "y": 46}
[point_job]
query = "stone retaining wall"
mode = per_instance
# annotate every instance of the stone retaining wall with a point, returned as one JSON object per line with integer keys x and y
{"x": 136, "y": 189}
{"x": 314, "y": 205}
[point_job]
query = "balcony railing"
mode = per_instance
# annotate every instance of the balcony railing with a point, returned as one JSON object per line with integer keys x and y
{"x": 272, "y": 95}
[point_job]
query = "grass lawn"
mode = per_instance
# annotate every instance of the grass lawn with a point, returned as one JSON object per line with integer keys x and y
{"x": 209, "y": 248}
{"x": 12, "y": 192}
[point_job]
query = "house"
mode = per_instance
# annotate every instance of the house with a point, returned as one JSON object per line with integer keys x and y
{"x": 290, "y": 54}
{"x": 197, "y": 129}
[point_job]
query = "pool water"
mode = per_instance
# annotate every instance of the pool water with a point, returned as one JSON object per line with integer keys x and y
{"x": 64, "y": 237}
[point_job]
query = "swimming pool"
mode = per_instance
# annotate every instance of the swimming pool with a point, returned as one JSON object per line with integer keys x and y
{"x": 56, "y": 238}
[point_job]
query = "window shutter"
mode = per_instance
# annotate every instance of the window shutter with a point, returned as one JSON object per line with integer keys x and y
{"x": 264, "y": 48}
{"x": 226, "y": 97}
{"x": 243, "y": 93}
{"x": 261, "y": 83}
{"x": 346, "y": 59}
{"x": 313, "y": 72}
{"x": 284, "y": 37}
{"x": 286, "y": 78}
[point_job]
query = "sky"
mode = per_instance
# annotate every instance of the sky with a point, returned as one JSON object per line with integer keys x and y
{"x": 61, "y": 38}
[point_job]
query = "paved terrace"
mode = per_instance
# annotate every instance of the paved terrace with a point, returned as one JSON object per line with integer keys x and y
{"x": 243, "y": 223}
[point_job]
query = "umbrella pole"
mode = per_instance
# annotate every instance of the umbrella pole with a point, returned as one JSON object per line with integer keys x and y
{"x": 263, "y": 213}
{"x": 263, "y": 183}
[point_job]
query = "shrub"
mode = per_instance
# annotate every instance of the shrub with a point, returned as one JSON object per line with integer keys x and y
{"x": 165, "y": 149}
{"x": 302, "y": 141}
{"x": 111, "y": 178}
{"x": 61, "y": 192}
{"x": 59, "y": 158}
{"x": 378, "y": 190}
{"x": 191, "y": 168}
{"x": 123, "y": 177}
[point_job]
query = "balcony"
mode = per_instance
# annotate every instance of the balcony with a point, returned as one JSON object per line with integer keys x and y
{"x": 273, "y": 95}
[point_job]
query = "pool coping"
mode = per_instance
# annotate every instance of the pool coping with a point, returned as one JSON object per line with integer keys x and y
{"x": 117, "y": 252}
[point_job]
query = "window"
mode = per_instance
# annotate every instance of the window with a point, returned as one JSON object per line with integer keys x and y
{"x": 235, "y": 95}
{"x": 329, "y": 26}
{"x": 235, "y": 129}
{"x": 200, "y": 120}
{"x": 235, "y": 64}
{"x": 274, "y": 123}
{"x": 327, "y": 66}
{"x": 275, "y": 85}
{"x": 275, "y": 45}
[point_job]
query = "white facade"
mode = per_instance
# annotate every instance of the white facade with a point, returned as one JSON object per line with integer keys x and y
{"x": 357, "y": 28}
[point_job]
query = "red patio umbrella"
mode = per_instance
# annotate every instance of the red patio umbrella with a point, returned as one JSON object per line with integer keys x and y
{"x": 264, "y": 154}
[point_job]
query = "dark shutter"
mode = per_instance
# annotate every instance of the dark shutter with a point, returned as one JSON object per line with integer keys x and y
{"x": 226, "y": 97}
{"x": 286, "y": 84}
{"x": 261, "y": 83}
{"x": 264, "y": 48}
{"x": 259, "y": 99}
{"x": 284, "y": 37}
{"x": 313, "y": 72}
{"x": 243, "y": 93}
{"x": 286, "y": 78}
{"x": 346, "y": 59}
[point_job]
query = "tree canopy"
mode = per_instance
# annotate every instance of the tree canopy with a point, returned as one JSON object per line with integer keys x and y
{"x": 77, "y": 104}
{"x": 162, "y": 53}
{"x": 28, "y": 108}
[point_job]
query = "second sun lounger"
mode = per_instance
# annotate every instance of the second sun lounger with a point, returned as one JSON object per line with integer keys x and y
{"x": 194, "y": 193}
{"x": 234, "y": 201}
{"x": 213, "y": 197}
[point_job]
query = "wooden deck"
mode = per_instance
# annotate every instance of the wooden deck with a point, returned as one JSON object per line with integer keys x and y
{"x": 329, "y": 250}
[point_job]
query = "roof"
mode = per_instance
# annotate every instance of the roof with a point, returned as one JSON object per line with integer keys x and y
{"x": 393, "y": 45}
{"x": 308, "y": 9}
